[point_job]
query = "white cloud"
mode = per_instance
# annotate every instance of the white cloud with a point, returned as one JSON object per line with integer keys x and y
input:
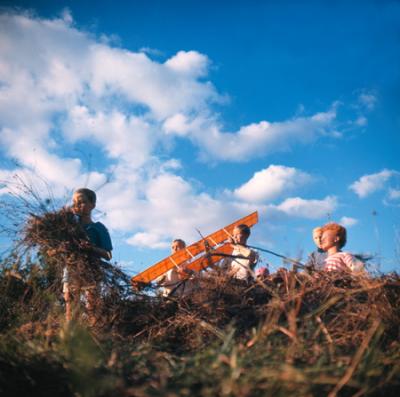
{"x": 309, "y": 209}
{"x": 63, "y": 88}
{"x": 147, "y": 240}
{"x": 361, "y": 121}
{"x": 171, "y": 208}
{"x": 368, "y": 99}
{"x": 176, "y": 124}
{"x": 270, "y": 183}
{"x": 347, "y": 221}
{"x": 258, "y": 139}
{"x": 171, "y": 165}
{"x": 152, "y": 51}
{"x": 158, "y": 87}
{"x": 191, "y": 63}
{"x": 86, "y": 91}
{"x": 371, "y": 183}
{"x": 392, "y": 197}
{"x": 124, "y": 137}
{"x": 394, "y": 194}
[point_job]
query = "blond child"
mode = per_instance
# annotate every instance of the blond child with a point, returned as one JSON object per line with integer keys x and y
{"x": 316, "y": 260}
{"x": 173, "y": 281}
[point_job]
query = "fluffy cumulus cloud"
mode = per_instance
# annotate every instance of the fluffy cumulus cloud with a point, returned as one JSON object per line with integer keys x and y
{"x": 64, "y": 91}
{"x": 348, "y": 221}
{"x": 265, "y": 137}
{"x": 270, "y": 183}
{"x": 309, "y": 209}
{"x": 191, "y": 63}
{"x": 371, "y": 183}
{"x": 172, "y": 206}
{"x": 253, "y": 140}
{"x": 87, "y": 90}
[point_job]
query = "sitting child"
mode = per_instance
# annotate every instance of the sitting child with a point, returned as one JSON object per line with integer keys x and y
{"x": 173, "y": 281}
{"x": 242, "y": 268}
{"x": 316, "y": 260}
{"x": 333, "y": 239}
{"x": 98, "y": 243}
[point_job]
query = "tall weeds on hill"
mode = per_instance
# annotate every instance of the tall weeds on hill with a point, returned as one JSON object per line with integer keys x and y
{"x": 292, "y": 333}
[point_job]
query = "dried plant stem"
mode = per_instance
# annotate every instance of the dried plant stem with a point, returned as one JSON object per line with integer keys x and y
{"x": 356, "y": 359}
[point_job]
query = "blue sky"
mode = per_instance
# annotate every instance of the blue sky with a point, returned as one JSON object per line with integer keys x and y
{"x": 192, "y": 114}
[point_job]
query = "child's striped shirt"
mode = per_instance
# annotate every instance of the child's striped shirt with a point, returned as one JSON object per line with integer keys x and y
{"x": 340, "y": 261}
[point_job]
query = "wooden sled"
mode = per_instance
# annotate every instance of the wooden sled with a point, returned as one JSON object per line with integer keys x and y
{"x": 201, "y": 254}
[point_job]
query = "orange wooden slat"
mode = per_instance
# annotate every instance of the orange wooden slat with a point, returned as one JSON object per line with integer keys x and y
{"x": 208, "y": 260}
{"x": 191, "y": 251}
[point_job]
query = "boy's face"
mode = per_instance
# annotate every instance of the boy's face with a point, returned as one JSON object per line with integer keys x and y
{"x": 177, "y": 246}
{"x": 329, "y": 239}
{"x": 317, "y": 234}
{"x": 238, "y": 236}
{"x": 81, "y": 204}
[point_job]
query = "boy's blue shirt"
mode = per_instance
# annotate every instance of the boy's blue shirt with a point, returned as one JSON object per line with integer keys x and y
{"x": 98, "y": 235}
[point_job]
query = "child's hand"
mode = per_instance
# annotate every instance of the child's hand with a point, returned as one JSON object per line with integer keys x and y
{"x": 231, "y": 241}
{"x": 181, "y": 273}
{"x": 63, "y": 248}
{"x": 85, "y": 245}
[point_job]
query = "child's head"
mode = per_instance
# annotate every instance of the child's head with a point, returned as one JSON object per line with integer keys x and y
{"x": 333, "y": 235}
{"x": 83, "y": 201}
{"x": 317, "y": 234}
{"x": 240, "y": 234}
{"x": 177, "y": 245}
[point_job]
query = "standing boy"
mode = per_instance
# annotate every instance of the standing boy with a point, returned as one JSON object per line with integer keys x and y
{"x": 98, "y": 243}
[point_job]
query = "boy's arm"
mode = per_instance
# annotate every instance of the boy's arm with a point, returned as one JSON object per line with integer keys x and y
{"x": 102, "y": 253}
{"x": 354, "y": 264}
{"x": 253, "y": 259}
{"x": 106, "y": 246}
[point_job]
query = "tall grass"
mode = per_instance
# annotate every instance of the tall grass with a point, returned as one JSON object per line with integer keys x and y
{"x": 291, "y": 333}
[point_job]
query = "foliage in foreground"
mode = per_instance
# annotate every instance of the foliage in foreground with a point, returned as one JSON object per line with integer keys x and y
{"x": 290, "y": 334}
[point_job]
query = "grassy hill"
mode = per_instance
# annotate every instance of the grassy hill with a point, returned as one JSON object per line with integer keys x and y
{"x": 291, "y": 334}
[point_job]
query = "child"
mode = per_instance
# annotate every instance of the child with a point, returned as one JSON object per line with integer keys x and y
{"x": 84, "y": 201}
{"x": 316, "y": 260}
{"x": 333, "y": 239}
{"x": 173, "y": 281}
{"x": 242, "y": 268}
{"x": 98, "y": 243}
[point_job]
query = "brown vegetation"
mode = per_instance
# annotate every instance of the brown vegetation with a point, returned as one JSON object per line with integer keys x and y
{"x": 289, "y": 334}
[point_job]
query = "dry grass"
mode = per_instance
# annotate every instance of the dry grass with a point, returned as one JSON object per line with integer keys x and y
{"x": 290, "y": 334}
